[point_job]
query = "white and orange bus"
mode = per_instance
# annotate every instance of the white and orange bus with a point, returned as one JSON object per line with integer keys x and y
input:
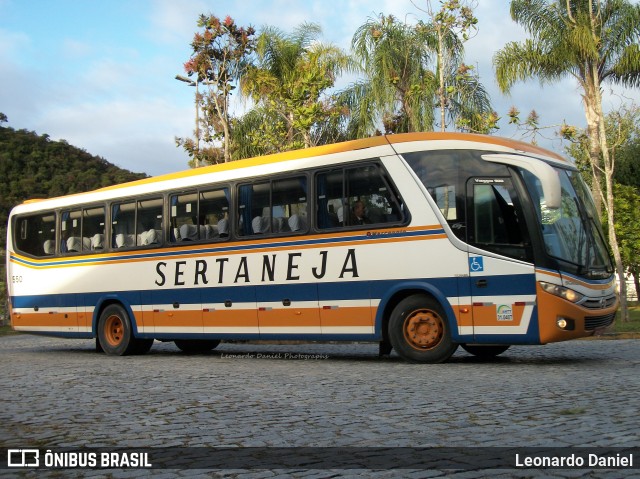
{"x": 421, "y": 242}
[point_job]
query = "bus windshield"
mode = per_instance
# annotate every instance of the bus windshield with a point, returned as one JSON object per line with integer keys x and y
{"x": 572, "y": 233}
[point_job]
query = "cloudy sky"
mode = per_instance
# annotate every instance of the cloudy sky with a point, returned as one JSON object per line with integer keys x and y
{"x": 101, "y": 74}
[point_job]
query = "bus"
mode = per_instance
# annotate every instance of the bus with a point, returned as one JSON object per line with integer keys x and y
{"x": 421, "y": 242}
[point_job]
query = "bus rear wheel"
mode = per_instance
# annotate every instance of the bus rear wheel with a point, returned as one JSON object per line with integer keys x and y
{"x": 196, "y": 345}
{"x": 484, "y": 351}
{"x": 114, "y": 331}
{"x": 419, "y": 330}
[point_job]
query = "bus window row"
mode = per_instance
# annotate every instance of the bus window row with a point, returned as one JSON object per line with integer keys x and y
{"x": 345, "y": 197}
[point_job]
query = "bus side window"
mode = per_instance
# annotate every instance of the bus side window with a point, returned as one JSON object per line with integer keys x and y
{"x": 213, "y": 214}
{"x": 371, "y": 198}
{"x": 93, "y": 222}
{"x": 184, "y": 212}
{"x": 356, "y": 196}
{"x": 82, "y": 230}
{"x": 443, "y": 173}
{"x": 36, "y": 235}
{"x": 254, "y": 212}
{"x": 289, "y": 205}
{"x": 273, "y": 207}
{"x": 71, "y": 231}
{"x": 123, "y": 225}
{"x": 329, "y": 201}
{"x": 149, "y": 222}
{"x": 200, "y": 215}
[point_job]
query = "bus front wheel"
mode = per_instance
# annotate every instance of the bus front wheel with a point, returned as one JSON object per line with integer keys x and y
{"x": 419, "y": 330}
{"x": 114, "y": 331}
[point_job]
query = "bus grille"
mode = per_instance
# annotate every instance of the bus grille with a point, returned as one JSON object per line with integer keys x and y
{"x": 595, "y": 322}
{"x": 600, "y": 303}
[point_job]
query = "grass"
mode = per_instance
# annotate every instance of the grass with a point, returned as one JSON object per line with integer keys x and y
{"x": 6, "y": 330}
{"x": 631, "y": 326}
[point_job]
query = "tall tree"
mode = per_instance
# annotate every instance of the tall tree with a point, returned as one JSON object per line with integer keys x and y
{"x": 290, "y": 79}
{"x": 413, "y": 70}
{"x": 220, "y": 56}
{"x": 592, "y": 41}
{"x": 627, "y": 202}
{"x": 460, "y": 94}
{"x": 399, "y": 86}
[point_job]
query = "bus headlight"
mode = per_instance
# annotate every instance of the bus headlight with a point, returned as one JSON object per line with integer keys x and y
{"x": 564, "y": 293}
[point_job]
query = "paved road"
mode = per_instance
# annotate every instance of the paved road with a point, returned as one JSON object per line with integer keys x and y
{"x": 60, "y": 393}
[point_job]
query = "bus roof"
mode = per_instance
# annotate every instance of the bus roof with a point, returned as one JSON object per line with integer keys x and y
{"x": 323, "y": 150}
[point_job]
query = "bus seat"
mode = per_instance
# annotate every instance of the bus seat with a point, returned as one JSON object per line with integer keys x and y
{"x": 261, "y": 224}
{"x": 296, "y": 223}
{"x": 188, "y": 232}
{"x": 76, "y": 243}
{"x": 149, "y": 237}
{"x": 49, "y": 247}
{"x": 124, "y": 240}
{"x": 97, "y": 241}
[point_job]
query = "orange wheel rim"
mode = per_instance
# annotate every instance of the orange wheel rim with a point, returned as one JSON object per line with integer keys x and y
{"x": 423, "y": 329}
{"x": 114, "y": 330}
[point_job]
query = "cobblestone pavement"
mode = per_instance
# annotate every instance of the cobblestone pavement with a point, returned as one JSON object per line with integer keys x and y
{"x": 61, "y": 393}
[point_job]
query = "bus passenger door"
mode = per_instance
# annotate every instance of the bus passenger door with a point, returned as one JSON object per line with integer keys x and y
{"x": 502, "y": 288}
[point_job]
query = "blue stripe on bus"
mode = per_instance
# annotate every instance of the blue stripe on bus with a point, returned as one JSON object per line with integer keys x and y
{"x": 341, "y": 290}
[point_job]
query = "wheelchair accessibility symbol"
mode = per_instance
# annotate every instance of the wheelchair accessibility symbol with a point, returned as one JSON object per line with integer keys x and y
{"x": 475, "y": 264}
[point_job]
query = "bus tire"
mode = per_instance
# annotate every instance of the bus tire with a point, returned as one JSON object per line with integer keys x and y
{"x": 114, "y": 331}
{"x": 484, "y": 352}
{"x": 419, "y": 330}
{"x": 196, "y": 345}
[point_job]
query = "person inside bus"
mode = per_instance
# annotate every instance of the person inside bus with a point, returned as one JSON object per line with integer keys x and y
{"x": 358, "y": 216}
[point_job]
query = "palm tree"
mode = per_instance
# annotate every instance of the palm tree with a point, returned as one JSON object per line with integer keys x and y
{"x": 592, "y": 41}
{"x": 399, "y": 85}
{"x": 410, "y": 72}
{"x": 291, "y": 77}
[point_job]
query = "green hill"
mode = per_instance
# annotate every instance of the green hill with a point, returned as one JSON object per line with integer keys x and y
{"x": 34, "y": 166}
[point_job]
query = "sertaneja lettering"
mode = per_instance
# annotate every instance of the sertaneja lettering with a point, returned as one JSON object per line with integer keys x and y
{"x": 233, "y": 271}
